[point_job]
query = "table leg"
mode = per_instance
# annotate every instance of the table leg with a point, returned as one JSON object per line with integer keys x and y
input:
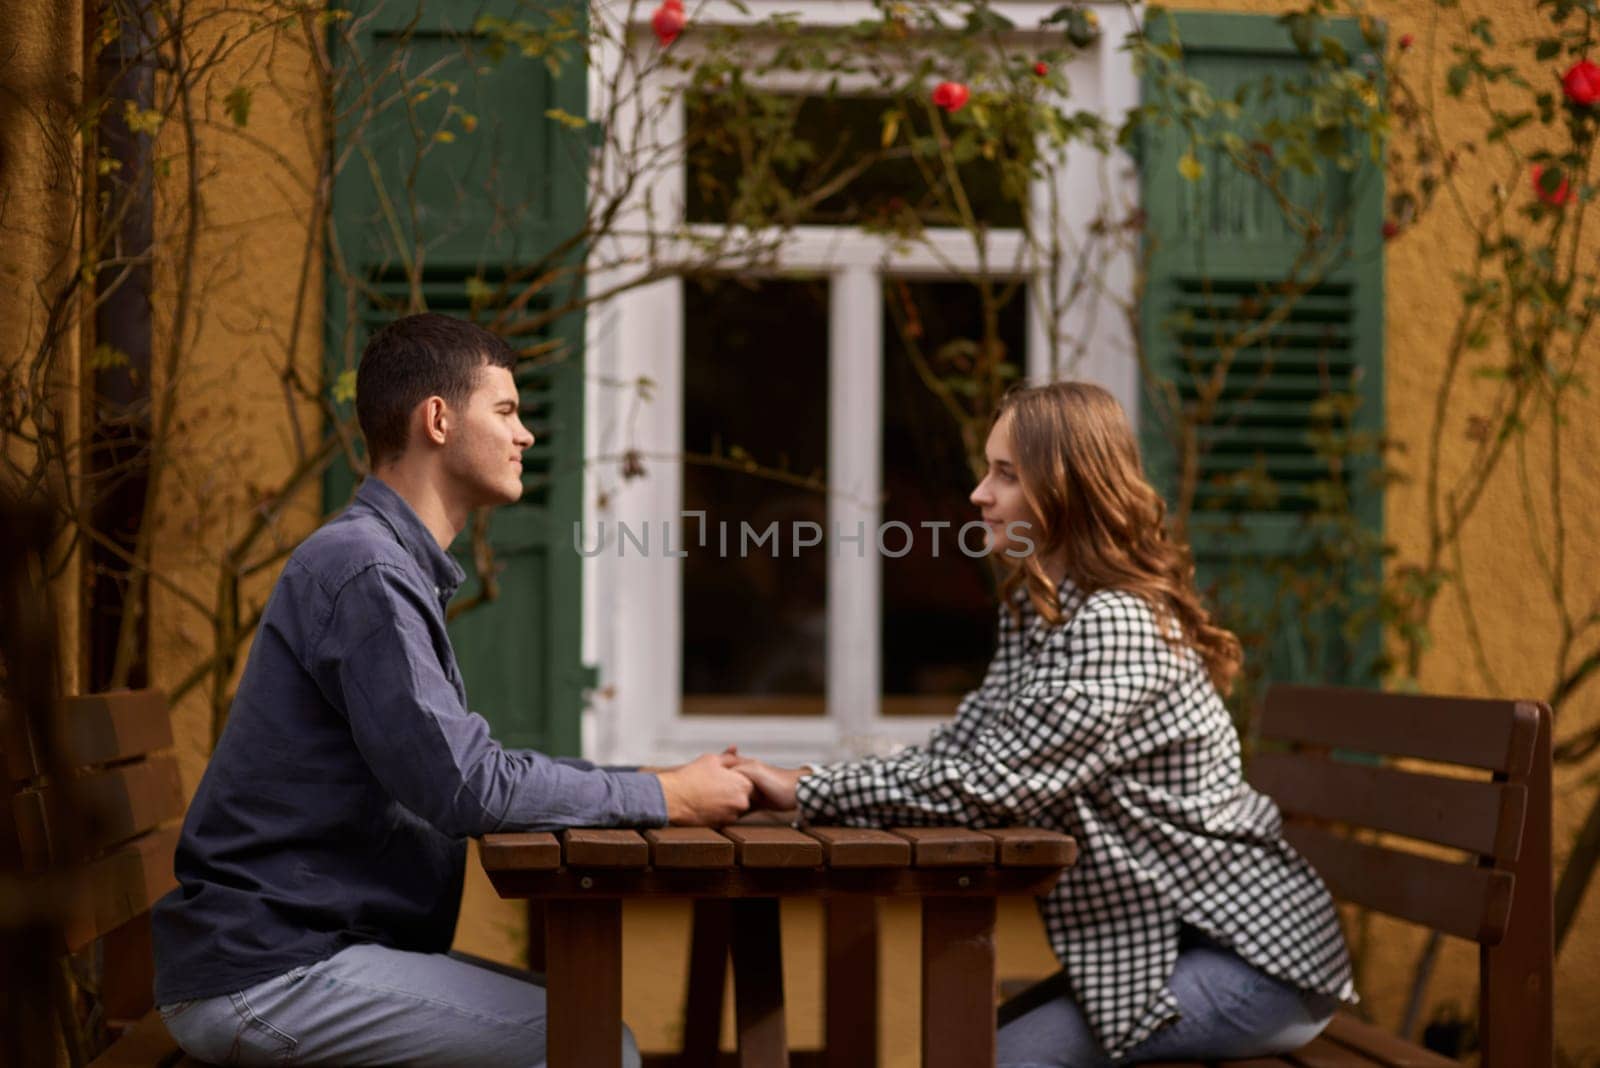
{"x": 708, "y": 974}
{"x": 851, "y": 983}
{"x": 583, "y": 943}
{"x": 958, "y": 1013}
{"x": 758, "y": 983}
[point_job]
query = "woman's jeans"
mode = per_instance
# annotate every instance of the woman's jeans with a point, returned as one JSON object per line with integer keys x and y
{"x": 1230, "y": 1011}
{"x": 373, "y": 1005}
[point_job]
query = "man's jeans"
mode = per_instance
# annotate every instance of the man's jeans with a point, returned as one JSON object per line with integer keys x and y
{"x": 1231, "y": 1011}
{"x": 373, "y": 1005}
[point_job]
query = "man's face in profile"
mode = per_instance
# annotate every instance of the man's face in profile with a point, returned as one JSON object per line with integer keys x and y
{"x": 484, "y": 456}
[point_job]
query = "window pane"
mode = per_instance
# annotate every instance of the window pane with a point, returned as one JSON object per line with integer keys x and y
{"x": 817, "y": 139}
{"x": 938, "y": 612}
{"x": 756, "y": 386}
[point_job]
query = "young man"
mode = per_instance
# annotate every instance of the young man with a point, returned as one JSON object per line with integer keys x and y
{"x": 321, "y": 861}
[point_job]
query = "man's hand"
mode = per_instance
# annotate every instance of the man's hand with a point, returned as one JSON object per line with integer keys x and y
{"x": 705, "y": 792}
{"x": 775, "y": 786}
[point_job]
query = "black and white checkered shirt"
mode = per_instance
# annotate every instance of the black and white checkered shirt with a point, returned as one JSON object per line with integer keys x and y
{"x": 1101, "y": 729}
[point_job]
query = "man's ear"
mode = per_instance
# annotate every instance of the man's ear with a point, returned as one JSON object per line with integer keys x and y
{"x": 436, "y": 420}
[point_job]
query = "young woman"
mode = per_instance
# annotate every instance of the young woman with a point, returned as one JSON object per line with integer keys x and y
{"x": 1188, "y": 928}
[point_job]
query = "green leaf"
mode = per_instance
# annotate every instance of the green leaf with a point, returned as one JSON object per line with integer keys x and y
{"x": 1456, "y": 80}
{"x": 344, "y": 387}
{"x": 237, "y": 103}
{"x": 105, "y": 357}
{"x": 982, "y": 19}
{"x": 1302, "y": 30}
{"x": 566, "y": 118}
{"x": 1548, "y": 48}
{"x": 1190, "y": 167}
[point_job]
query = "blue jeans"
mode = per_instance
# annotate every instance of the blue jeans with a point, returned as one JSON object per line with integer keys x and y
{"x": 1231, "y": 1011}
{"x": 372, "y": 1005}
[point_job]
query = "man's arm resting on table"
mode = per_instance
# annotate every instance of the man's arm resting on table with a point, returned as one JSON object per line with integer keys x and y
{"x": 377, "y": 661}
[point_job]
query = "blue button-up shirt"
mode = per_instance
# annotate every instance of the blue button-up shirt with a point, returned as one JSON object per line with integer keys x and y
{"x": 336, "y": 807}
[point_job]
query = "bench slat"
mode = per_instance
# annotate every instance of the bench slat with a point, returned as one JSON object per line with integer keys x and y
{"x": 119, "y": 886}
{"x": 1497, "y": 735}
{"x": 95, "y": 729}
{"x": 1387, "y": 1049}
{"x": 947, "y": 847}
{"x": 594, "y": 848}
{"x": 1029, "y": 847}
{"x": 858, "y": 847}
{"x": 1320, "y": 1052}
{"x": 523, "y": 850}
{"x": 103, "y": 727}
{"x": 115, "y": 805}
{"x": 689, "y": 847}
{"x": 1479, "y": 817}
{"x": 775, "y": 847}
{"x": 1459, "y": 899}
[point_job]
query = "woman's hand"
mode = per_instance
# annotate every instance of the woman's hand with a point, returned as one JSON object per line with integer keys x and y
{"x": 774, "y": 786}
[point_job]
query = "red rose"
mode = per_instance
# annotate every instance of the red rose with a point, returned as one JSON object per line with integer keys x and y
{"x": 668, "y": 21}
{"x": 1582, "y": 83}
{"x": 1556, "y": 197}
{"x": 1041, "y": 69}
{"x": 1407, "y": 40}
{"x": 952, "y": 96}
{"x": 1390, "y": 228}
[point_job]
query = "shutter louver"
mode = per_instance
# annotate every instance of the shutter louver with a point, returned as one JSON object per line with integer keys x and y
{"x": 1263, "y": 419}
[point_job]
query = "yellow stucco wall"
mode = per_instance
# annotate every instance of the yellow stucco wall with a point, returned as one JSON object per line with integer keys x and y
{"x": 257, "y": 292}
{"x": 256, "y": 201}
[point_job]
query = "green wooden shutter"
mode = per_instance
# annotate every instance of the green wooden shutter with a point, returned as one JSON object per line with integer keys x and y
{"x": 483, "y": 204}
{"x": 1285, "y": 539}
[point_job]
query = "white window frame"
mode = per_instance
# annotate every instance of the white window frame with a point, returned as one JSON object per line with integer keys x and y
{"x": 633, "y": 604}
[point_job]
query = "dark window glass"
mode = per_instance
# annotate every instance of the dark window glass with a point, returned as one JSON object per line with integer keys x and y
{"x": 756, "y": 387}
{"x": 938, "y": 612}
{"x": 810, "y": 142}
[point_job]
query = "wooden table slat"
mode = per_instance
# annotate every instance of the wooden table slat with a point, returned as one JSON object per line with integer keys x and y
{"x": 1029, "y": 847}
{"x": 521, "y": 851}
{"x": 689, "y": 847}
{"x": 775, "y": 847}
{"x": 588, "y": 848}
{"x": 857, "y": 847}
{"x": 948, "y": 847}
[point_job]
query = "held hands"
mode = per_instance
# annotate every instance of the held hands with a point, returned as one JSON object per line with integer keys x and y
{"x": 775, "y": 787}
{"x": 718, "y": 788}
{"x": 706, "y": 792}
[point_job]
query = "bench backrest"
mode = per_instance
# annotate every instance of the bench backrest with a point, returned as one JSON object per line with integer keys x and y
{"x": 1470, "y": 778}
{"x": 95, "y": 838}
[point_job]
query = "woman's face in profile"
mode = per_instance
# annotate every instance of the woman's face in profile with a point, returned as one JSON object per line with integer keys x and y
{"x": 999, "y": 496}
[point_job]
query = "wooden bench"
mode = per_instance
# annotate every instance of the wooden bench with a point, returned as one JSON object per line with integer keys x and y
{"x": 93, "y": 842}
{"x": 1344, "y": 769}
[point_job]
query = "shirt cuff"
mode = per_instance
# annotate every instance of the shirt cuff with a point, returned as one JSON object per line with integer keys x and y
{"x": 814, "y": 798}
{"x": 643, "y": 803}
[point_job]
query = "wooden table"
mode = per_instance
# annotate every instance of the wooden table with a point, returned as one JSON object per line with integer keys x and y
{"x": 737, "y": 877}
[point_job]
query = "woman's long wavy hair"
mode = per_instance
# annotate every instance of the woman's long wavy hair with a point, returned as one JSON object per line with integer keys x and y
{"x": 1082, "y": 478}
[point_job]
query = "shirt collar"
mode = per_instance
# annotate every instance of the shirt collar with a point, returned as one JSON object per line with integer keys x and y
{"x": 1068, "y": 596}
{"x": 401, "y": 518}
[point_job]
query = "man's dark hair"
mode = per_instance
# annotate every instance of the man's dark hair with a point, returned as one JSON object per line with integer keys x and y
{"x": 412, "y": 359}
